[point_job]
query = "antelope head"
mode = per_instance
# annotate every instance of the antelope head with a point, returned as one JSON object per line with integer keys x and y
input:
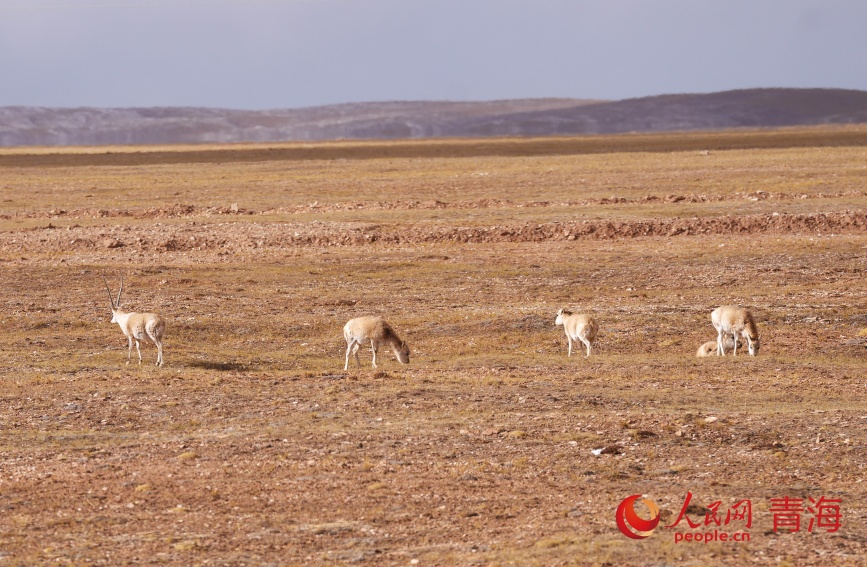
{"x": 753, "y": 346}
{"x": 403, "y": 353}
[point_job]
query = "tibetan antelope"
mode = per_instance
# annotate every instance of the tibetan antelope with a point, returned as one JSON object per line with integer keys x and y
{"x": 378, "y": 333}
{"x": 137, "y": 326}
{"x": 710, "y": 348}
{"x": 733, "y": 321}
{"x": 578, "y": 328}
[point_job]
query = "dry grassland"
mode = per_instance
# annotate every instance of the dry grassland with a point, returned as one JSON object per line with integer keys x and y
{"x": 252, "y": 446}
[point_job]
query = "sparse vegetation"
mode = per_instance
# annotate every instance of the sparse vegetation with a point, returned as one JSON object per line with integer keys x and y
{"x": 252, "y": 445}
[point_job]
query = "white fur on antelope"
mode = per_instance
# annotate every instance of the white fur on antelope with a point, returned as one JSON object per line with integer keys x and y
{"x": 578, "y": 327}
{"x": 137, "y": 326}
{"x": 710, "y": 348}
{"x": 732, "y": 321}
{"x": 375, "y": 331}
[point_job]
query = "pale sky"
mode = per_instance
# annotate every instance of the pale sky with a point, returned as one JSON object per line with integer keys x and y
{"x": 261, "y": 54}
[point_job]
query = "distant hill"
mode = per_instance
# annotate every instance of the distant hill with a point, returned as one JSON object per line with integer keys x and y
{"x": 33, "y": 126}
{"x": 753, "y": 108}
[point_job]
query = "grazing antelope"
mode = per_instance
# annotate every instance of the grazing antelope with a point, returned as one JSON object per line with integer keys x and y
{"x": 578, "y": 327}
{"x": 710, "y": 348}
{"x": 137, "y": 326}
{"x": 378, "y": 332}
{"x": 733, "y": 321}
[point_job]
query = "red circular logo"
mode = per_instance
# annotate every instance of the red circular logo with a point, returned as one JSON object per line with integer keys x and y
{"x": 630, "y": 523}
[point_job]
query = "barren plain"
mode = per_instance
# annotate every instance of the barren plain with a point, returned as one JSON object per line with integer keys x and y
{"x": 252, "y": 446}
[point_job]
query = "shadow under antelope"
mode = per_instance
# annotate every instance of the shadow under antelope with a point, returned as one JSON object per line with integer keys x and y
{"x": 137, "y": 326}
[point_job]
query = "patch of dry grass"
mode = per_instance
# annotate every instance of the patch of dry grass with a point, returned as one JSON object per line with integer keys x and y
{"x": 255, "y": 445}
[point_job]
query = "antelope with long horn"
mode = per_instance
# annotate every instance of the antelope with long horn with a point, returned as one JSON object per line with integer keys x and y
{"x": 137, "y": 326}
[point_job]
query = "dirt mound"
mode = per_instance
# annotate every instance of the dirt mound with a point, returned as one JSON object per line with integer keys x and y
{"x": 231, "y": 237}
{"x": 848, "y": 222}
{"x": 164, "y": 212}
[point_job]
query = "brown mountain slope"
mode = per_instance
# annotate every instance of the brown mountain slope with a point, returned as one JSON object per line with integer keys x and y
{"x": 731, "y": 109}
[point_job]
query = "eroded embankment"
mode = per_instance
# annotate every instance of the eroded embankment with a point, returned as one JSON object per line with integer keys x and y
{"x": 229, "y": 237}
